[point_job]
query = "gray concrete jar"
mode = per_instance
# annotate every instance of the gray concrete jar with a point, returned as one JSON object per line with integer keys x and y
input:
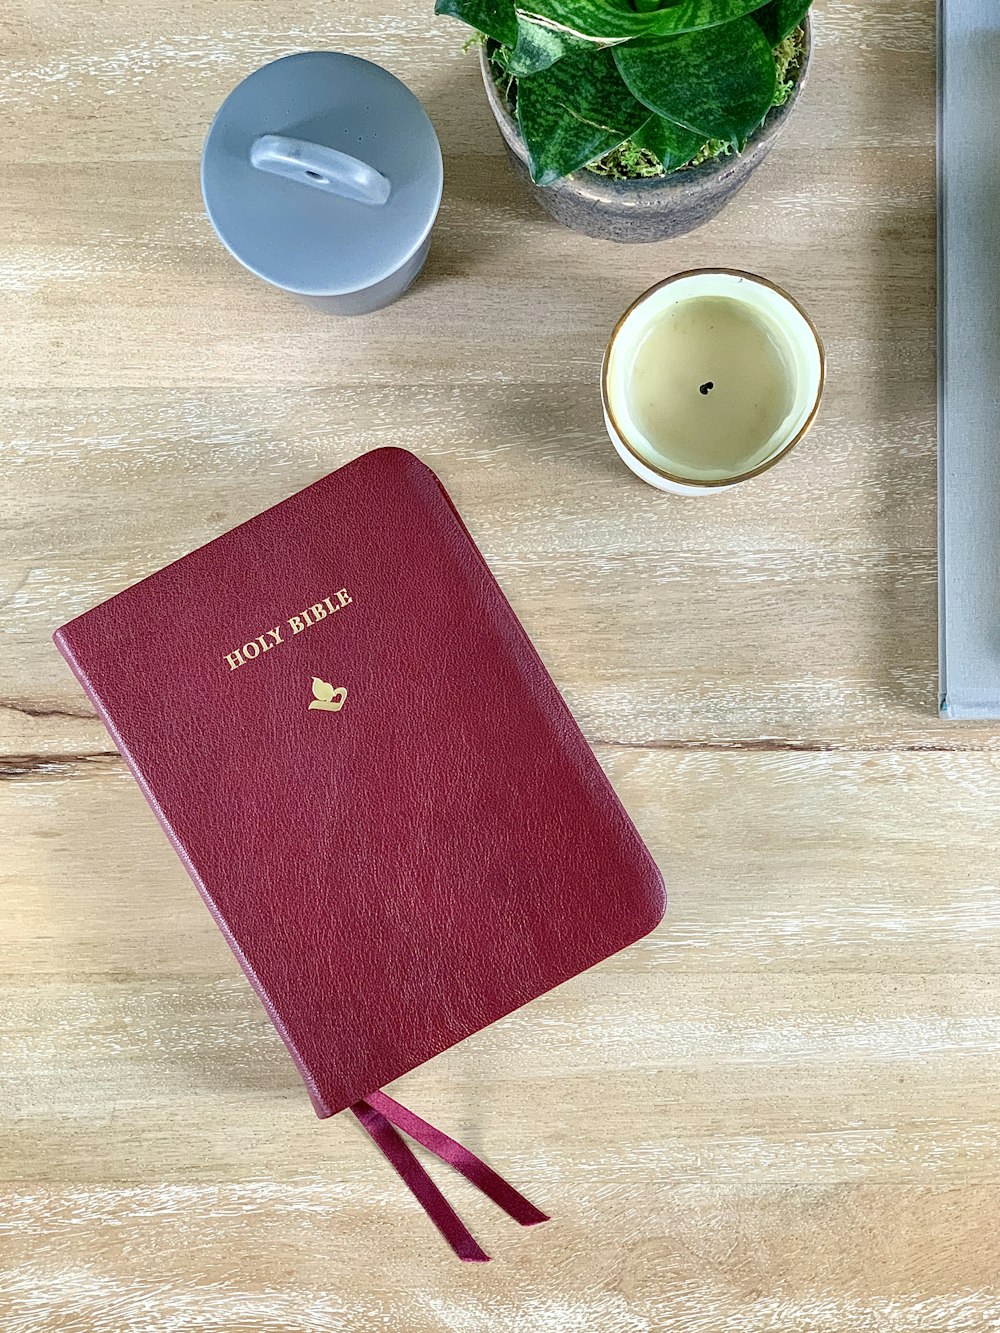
{"x": 322, "y": 174}
{"x": 653, "y": 209}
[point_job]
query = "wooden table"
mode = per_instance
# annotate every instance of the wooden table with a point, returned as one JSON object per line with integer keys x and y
{"x": 778, "y": 1113}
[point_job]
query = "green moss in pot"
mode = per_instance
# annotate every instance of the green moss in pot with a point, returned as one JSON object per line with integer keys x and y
{"x": 634, "y": 121}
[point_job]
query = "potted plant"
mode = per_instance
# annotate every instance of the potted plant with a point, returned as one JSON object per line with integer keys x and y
{"x": 635, "y": 120}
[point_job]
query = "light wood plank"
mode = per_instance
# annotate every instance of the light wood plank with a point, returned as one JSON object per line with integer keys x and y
{"x": 807, "y": 1048}
{"x": 801, "y": 608}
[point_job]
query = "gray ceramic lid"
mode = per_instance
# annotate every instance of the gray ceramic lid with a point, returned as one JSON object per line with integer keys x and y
{"x": 322, "y": 173}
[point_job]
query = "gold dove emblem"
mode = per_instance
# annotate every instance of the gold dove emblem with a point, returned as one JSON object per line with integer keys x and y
{"x": 327, "y": 698}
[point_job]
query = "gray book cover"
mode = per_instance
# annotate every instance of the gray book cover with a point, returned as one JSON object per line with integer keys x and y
{"x": 969, "y": 357}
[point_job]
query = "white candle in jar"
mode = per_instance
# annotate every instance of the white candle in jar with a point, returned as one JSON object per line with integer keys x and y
{"x": 710, "y": 378}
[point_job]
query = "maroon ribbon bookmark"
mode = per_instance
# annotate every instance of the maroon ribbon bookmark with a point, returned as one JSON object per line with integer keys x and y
{"x": 383, "y": 1117}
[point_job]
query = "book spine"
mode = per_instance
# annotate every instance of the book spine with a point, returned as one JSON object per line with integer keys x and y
{"x": 63, "y": 642}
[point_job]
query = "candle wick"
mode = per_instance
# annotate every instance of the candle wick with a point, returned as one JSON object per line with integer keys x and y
{"x": 707, "y": 387}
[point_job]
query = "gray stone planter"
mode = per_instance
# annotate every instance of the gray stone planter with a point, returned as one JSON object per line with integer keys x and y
{"x": 643, "y": 210}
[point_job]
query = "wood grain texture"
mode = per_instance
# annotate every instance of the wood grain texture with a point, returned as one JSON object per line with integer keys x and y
{"x": 777, "y": 1113}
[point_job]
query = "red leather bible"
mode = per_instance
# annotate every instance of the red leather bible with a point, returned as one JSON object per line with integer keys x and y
{"x": 374, "y": 784}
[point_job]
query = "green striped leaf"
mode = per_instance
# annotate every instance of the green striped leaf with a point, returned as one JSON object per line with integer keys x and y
{"x": 620, "y": 19}
{"x": 573, "y": 112}
{"x": 494, "y": 17}
{"x": 718, "y": 83}
{"x": 671, "y": 145}
{"x": 539, "y": 46}
{"x": 781, "y": 17}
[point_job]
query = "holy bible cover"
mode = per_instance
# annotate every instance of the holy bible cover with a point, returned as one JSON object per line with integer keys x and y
{"x": 372, "y": 780}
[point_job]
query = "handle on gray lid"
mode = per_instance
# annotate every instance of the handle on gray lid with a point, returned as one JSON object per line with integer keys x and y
{"x": 321, "y": 167}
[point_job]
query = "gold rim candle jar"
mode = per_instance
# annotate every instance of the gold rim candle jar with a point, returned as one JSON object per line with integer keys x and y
{"x": 710, "y": 378}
